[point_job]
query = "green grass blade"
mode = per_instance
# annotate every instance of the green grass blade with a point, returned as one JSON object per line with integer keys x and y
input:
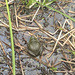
{"x": 61, "y": 13}
{"x": 11, "y": 35}
{"x": 47, "y": 5}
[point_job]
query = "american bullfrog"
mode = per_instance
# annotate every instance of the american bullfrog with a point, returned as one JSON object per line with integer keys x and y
{"x": 34, "y": 47}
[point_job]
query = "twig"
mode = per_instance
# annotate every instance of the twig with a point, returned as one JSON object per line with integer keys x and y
{"x": 49, "y": 54}
{"x": 46, "y": 32}
{"x": 67, "y": 33}
{"x": 21, "y": 65}
{"x": 68, "y": 62}
{"x": 62, "y": 71}
{"x": 16, "y": 13}
{"x": 6, "y": 56}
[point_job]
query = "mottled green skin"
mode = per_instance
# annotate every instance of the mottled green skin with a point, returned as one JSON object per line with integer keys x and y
{"x": 34, "y": 47}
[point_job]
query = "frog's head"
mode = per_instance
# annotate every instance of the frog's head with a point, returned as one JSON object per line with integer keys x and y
{"x": 32, "y": 38}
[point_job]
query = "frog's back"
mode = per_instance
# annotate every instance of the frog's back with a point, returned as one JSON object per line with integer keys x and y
{"x": 34, "y": 46}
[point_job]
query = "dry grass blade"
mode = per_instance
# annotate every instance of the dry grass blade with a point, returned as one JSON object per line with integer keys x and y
{"x": 6, "y": 58}
{"x": 62, "y": 71}
{"x": 49, "y": 55}
{"x": 46, "y": 32}
{"x": 21, "y": 65}
{"x": 68, "y": 62}
{"x": 16, "y": 14}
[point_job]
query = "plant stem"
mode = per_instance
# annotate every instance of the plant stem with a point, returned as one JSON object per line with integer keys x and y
{"x": 61, "y": 13}
{"x": 12, "y": 42}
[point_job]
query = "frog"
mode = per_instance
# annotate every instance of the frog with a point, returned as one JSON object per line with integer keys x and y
{"x": 34, "y": 47}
